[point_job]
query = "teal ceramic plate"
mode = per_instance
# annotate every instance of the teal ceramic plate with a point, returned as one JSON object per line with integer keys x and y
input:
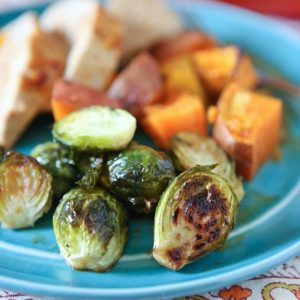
{"x": 268, "y": 228}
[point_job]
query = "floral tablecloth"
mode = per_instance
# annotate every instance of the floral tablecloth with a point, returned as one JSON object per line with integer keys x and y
{"x": 281, "y": 283}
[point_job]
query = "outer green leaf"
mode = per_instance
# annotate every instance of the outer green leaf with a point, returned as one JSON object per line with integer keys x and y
{"x": 138, "y": 175}
{"x": 90, "y": 227}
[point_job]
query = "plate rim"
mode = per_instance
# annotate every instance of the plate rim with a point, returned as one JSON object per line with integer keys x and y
{"x": 238, "y": 272}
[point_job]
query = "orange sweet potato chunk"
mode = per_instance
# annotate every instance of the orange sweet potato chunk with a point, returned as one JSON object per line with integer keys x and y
{"x": 248, "y": 127}
{"x": 138, "y": 85}
{"x": 180, "y": 76}
{"x": 69, "y": 96}
{"x": 185, "y": 113}
{"x": 183, "y": 43}
{"x": 222, "y": 65}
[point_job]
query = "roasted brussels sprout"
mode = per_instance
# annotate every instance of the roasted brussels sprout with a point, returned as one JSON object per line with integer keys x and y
{"x": 193, "y": 217}
{"x": 189, "y": 149}
{"x": 90, "y": 227}
{"x": 138, "y": 175}
{"x": 25, "y": 191}
{"x": 59, "y": 162}
{"x": 96, "y": 128}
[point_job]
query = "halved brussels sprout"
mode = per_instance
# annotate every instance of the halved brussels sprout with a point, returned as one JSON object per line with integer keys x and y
{"x": 90, "y": 227}
{"x": 96, "y": 128}
{"x": 138, "y": 175}
{"x": 193, "y": 217}
{"x": 25, "y": 191}
{"x": 59, "y": 162}
{"x": 190, "y": 149}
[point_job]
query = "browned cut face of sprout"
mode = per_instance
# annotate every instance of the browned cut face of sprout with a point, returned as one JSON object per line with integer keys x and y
{"x": 194, "y": 216}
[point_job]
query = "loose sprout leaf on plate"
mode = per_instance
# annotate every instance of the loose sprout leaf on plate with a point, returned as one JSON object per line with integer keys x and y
{"x": 193, "y": 217}
{"x": 190, "y": 149}
{"x": 138, "y": 175}
{"x": 96, "y": 128}
{"x": 25, "y": 191}
{"x": 90, "y": 227}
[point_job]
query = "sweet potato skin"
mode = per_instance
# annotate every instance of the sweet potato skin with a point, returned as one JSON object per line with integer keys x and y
{"x": 183, "y": 43}
{"x": 68, "y": 96}
{"x": 138, "y": 85}
{"x": 183, "y": 113}
{"x": 251, "y": 138}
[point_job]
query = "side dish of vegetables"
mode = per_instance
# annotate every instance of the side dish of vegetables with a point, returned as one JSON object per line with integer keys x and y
{"x": 195, "y": 98}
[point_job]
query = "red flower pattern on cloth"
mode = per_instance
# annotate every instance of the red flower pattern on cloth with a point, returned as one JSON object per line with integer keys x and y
{"x": 7, "y": 295}
{"x": 297, "y": 294}
{"x": 235, "y": 292}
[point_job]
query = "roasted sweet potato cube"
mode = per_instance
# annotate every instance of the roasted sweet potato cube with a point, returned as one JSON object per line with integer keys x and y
{"x": 70, "y": 96}
{"x": 183, "y": 43}
{"x": 180, "y": 76}
{"x": 138, "y": 85}
{"x": 219, "y": 66}
{"x": 185, "y": 113}
{"x": 247, "y": 127}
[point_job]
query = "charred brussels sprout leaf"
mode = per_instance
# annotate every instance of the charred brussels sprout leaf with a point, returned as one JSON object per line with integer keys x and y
{"x": 190, "y": 149}
{"x": 25, "y": 191}
{"x": 193, "y": 217}
{"x": 59, "y": 162}
{"x": 90, "y": 227}
{"x": 138, "y": 175}
{"x": 91, "y": 166}
{"x": 85, "y": 161}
